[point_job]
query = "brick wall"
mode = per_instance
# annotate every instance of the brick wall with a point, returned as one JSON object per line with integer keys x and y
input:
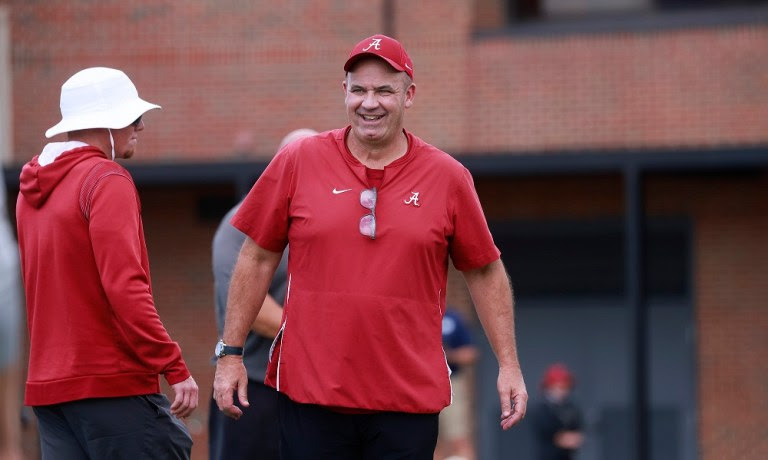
{"x": 732, "y": 322}
{"x": 233, "y": 77}
{"x": 698, "y": 87}
{"x": 730, "y": 218}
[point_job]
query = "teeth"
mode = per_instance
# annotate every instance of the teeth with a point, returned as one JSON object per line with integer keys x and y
{"x": 370, "y": 118}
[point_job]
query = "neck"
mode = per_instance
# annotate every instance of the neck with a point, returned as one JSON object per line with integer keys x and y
{"x": 98, "y": 138}
{"x": 375, "y": 156}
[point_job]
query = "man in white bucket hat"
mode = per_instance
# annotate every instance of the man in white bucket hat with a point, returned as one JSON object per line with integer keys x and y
{"x": 97, "y": 345}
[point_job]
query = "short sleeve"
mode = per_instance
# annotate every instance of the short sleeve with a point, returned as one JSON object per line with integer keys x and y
{"x": 472, "y": 245}
{"x": 264, "y": 214}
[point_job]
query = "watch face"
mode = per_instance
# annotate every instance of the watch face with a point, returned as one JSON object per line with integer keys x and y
{"x": 219, "y": 349}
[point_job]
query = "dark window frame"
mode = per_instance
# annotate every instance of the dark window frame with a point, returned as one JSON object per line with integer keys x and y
{"x": 664, "y": 18}
{"x": 546, "y": 283}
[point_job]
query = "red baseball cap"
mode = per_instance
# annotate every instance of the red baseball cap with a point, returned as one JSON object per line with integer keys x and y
{"x": 384, "y": 47}
{"x": 557, "y": 373}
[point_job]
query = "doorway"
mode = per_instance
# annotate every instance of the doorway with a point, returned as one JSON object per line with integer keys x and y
{"x": 568, "y": 282}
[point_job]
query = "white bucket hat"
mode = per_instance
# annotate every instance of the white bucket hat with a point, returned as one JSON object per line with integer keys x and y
{"x": 99, "y": 97}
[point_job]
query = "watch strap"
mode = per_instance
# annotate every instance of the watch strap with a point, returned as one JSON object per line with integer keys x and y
{"x": 222, "y": 349}
{"x": 227, "y": 350}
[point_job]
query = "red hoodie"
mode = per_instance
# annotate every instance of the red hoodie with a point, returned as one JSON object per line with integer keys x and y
{"x": 94, "y": 330}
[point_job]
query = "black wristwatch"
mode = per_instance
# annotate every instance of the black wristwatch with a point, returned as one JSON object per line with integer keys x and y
{"x": 222, "y": 349}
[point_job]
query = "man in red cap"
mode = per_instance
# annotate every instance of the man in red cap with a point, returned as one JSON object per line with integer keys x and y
{"x": 557, "y": 421}
{"x": 372, "y": 215}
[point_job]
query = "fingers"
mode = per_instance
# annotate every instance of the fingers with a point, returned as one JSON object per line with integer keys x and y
{"x": 178, "y": 401}
{"x": 515, "y": 410}
{"x": 186, "y": 398}
{"x": 227, "y": 380}
{"x": 223, "y": 397}
{"x": 507, "y": 410}
{"x": 506, "y": 405}
{"x": 226, "y": 404}
{"x": 513, "y": 396}
{"x": 233, "y": 412}
{"x": 242, "y": 393}
{"x": 189, "y": 403}
{"x": 182, "y": 406}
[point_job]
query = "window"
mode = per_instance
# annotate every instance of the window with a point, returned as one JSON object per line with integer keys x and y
{"x": 533, "y": 10}
{"x": 537, "y": 9}
{"x": 547, "y": 17}
{"x": 578, "y": 259}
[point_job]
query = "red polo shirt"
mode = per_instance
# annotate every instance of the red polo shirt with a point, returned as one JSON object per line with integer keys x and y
{"x": 362, "y": 320}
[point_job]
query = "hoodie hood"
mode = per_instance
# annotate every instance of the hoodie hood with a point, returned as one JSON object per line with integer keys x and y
{"x": 38, "y": 181}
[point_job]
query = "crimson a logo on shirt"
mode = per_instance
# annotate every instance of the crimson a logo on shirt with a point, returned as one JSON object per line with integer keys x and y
{"x": 414, "y": 199}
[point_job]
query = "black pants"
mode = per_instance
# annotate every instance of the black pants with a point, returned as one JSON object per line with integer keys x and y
{"x": 256, "y": 435}
{"x": 131, "y": 428}
{"x": 309, "y": 431}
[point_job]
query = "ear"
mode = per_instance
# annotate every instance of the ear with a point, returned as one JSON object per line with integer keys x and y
{"x": 409, "y": 95}
{"x": 344, "y": 85}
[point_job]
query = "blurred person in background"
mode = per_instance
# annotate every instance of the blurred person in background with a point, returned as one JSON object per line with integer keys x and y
{"x": 372, "y": 214}
{"x": 256, "y": 434}
{"x": 455, "y": 434}
{"x": 10, "y": 336}
{"x": 97, "y": 345}
{"x": 557, "y": 421}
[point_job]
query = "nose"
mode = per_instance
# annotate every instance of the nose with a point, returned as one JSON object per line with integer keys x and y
{"x": 369, "y": 100}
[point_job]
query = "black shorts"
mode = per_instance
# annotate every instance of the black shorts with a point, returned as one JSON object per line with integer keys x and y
{"x": 255, "y": 435}
{"x": 310, "y": 431}
{"x": 131, "y": 428}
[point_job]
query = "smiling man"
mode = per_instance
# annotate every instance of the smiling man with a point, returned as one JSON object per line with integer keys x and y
{"x": 97, "y": 345}
{"x": 372, "y": 215}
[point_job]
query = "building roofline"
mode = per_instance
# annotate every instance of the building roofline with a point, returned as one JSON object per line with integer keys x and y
{"x": 489, "y": 164}
{"x": 606, "y": 161}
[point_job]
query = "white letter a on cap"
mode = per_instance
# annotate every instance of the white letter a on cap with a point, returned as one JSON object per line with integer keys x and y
{"x": 374, "y": 43}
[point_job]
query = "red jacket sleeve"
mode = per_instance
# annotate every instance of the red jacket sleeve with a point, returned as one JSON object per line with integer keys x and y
{"x": 117, "y": 238}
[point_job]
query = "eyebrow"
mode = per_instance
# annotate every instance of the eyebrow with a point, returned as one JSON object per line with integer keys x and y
{"x": 377, "y": 88}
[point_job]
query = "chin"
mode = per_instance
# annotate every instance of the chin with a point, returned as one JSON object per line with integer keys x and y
{"x": 368, "y": 134}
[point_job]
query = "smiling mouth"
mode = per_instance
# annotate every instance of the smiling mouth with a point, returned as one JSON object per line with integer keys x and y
{"x": 371, "y": 117}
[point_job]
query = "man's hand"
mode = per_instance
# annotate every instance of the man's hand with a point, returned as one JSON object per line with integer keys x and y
{"x": 513, "y": 396}
{"x": 185, "y": 400}
{"x": 230, "y": 377}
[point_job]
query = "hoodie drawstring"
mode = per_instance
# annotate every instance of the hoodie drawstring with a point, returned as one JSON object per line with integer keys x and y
{"x": 112, "y": 143}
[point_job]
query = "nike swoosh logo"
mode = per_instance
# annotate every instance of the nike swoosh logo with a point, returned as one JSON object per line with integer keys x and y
{"x": 336, "y": 192}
